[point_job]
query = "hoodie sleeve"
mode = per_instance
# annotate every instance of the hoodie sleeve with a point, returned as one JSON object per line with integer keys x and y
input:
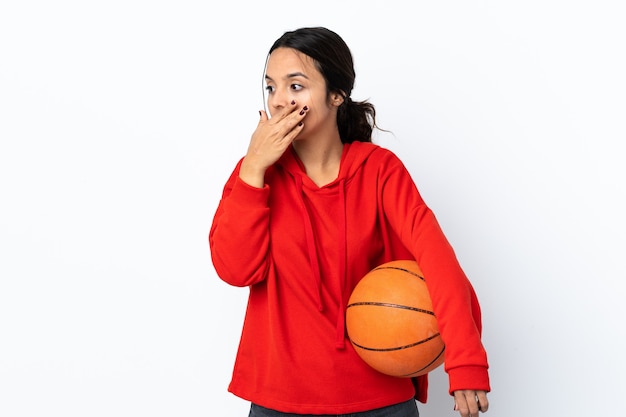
{"x": 454, "y": 301}
{"x": 239, "y": 235}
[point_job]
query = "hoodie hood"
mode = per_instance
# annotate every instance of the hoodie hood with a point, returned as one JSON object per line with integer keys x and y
{"x": 352, "y": 159}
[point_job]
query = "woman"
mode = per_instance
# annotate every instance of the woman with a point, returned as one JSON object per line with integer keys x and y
{"x": 309, "y": 210}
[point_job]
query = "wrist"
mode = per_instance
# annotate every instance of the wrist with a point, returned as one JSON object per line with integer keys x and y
{"x": 252, "y": 174}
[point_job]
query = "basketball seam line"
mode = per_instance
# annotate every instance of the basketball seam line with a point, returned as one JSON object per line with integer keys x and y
{"x": 394, "y": 348}
{"x": 375, "y": 303}
{"x": 408, "y": 271}
{"x": 430, "y": 364}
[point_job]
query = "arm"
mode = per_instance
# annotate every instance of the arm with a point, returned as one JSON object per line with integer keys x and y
{"x": 454, "y": 301}
{"x": 239, "y": 236}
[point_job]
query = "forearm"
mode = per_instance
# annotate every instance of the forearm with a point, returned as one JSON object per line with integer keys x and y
{"x": 239, "y": 236}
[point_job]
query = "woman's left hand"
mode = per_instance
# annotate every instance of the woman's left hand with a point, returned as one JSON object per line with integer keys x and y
{"x": 469, "y": 402}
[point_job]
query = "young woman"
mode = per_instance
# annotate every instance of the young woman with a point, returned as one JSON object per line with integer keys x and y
{"x": 308, "y": 211}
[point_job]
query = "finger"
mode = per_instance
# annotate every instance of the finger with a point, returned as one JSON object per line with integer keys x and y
{"x": 294, "y": 122}
{"x": 293, "y": 133}
{"x": 472, "y": 403}
{"x": 287, "y": 110}
{"x": 483, "y": 402}
{"x": 460, "y": 404}
{"x": 263, "y": 116}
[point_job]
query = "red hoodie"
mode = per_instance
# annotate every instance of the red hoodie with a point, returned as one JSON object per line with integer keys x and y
{"x": 301, "y": 249}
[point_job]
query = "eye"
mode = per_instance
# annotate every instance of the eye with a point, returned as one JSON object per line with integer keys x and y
{"x": 296, "y": 87}
{"x": 270, "y": 89}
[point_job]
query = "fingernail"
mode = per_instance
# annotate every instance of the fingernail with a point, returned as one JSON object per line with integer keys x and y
{"x": 260, "y": 113}
{"x": 300, "y": 124}
{"x": 293, "y": 102}
{"x": 305, "y": 108}
{"x": 302, "y": 112}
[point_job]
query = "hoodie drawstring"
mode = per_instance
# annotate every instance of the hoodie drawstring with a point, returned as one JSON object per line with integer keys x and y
{"x": 342, "y": 253}
{"x": 310, "y": 240}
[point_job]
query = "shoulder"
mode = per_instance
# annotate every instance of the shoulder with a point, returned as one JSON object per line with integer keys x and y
{"x": 373, "y": 152}
{"x": 372, "y": 161}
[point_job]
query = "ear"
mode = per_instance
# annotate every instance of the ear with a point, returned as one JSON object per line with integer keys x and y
{"x": 336, "y": 99}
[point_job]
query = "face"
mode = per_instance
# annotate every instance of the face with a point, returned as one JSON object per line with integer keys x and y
{"x": 293, "y": 76}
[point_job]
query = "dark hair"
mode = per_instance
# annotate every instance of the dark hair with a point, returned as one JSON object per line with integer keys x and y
{"x": 355, "y": 119}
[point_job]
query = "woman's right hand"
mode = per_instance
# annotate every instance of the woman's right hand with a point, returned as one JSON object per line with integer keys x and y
{"x": 269, "y": 141}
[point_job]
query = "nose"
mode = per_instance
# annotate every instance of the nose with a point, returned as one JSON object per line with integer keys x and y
{"x": 278, "y": 99}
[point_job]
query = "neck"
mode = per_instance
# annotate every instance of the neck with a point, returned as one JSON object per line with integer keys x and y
{"x": 321, "y": 160}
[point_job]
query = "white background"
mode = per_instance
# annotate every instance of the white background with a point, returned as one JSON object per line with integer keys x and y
{"x": 121, "y": 120}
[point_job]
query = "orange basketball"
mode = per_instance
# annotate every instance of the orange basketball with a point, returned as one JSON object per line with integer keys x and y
{"x": 391, "y": 323}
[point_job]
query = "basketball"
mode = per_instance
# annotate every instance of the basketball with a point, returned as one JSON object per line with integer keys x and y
{"x": 391, "y": 323}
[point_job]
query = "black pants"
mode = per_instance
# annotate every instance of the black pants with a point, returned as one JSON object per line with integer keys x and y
{"x": 405, "y": 409}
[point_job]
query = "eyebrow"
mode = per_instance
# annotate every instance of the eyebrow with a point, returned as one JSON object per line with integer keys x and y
{"x": 291, "y": 75}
